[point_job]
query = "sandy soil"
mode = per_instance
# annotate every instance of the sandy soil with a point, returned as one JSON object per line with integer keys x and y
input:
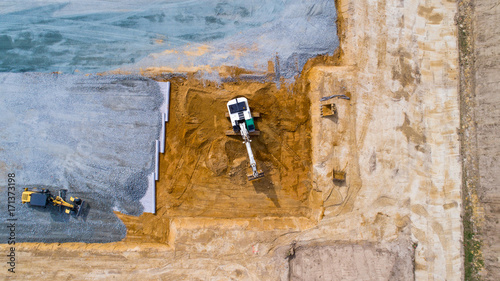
{"x": 204, "y": 172}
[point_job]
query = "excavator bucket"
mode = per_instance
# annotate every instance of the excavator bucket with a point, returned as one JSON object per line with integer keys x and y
{"x": 255, "y": 177}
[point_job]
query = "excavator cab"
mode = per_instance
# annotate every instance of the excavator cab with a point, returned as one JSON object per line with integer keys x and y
{"x": 239, "y": 112}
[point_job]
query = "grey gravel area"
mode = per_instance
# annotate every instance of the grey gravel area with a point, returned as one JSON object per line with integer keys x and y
{"x": 95, "y": 36}
{"x": 91, "y": 135}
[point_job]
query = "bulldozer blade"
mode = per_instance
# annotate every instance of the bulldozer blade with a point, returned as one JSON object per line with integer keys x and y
{"x": 80, "y": 208}
{"x": 252, "y": 177}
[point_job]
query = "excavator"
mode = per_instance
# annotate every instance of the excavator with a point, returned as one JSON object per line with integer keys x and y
{"x": 43, "y": 197}
{"x": 242, "y": 122}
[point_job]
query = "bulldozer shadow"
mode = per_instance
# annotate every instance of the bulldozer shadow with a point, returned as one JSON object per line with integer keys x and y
{"x": 58, "y": 215}
{"x": 53, "y": 211}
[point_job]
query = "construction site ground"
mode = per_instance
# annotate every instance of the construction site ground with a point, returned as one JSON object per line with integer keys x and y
{"x": 397, "y": 214}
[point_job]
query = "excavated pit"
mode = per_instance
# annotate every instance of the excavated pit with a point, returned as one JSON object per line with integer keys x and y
{"x": 203, "y": 172}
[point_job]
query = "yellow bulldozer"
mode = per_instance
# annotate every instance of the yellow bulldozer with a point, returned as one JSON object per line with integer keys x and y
{"x": 43, "y": 197}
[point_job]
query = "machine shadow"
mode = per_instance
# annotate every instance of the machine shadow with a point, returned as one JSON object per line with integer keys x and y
{"x": 85, "y": 211}
{"x": 266, "y": 186}
{"x": 59, "y": 215}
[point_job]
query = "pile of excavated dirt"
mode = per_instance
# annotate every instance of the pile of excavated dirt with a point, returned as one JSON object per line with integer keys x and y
{"x": 203, "y": 172}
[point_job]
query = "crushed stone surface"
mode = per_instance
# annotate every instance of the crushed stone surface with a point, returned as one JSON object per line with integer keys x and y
{"x": 93, "y": 136}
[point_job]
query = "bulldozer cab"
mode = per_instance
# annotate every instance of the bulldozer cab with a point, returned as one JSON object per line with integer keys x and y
{"x": 35, "y": 198}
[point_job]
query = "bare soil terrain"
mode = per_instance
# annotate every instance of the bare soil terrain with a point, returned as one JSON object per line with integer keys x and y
{"x": 486, "y": 107}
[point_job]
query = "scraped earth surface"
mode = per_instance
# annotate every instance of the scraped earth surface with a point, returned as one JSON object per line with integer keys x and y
{"x": 351, "y": 262}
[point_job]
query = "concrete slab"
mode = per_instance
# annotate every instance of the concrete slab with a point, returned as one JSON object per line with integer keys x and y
{"x": 165, "y": 107}
{"x": 149, "y": 199}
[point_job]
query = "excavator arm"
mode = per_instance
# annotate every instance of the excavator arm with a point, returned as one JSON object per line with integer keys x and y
{"x": 246, "y": 140}
{"x": 58, "y": 201}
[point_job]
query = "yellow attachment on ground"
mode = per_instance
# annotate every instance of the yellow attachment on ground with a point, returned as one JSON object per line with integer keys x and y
{"x": 59, "y": 201}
